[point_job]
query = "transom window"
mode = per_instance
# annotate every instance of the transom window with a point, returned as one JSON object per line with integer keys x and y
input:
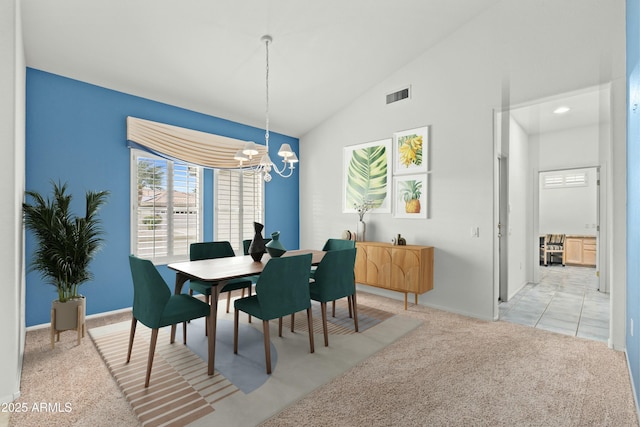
{"x": 166, "y": 200}
{"x": 564, "y": 180}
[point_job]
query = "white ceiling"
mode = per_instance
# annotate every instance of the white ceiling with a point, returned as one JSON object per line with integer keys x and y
{"x": 587, "y": 107}
{"x": 206, "y": 55}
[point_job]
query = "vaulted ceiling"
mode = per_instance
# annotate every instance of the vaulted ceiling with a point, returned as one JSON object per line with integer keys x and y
{"x": 207, "y": 56}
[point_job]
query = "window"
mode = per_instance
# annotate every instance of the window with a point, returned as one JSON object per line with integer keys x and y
{"x": 166, "y": 207}
{"x": 239, "y": 201}
{"x": 564, "y": 180}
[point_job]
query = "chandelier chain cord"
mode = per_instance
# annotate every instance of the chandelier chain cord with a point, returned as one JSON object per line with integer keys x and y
{"x": 266, "y": 166}
{"x": 266, "y": 134}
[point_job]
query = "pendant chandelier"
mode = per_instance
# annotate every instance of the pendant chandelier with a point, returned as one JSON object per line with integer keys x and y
{"x": 266, "y": 166}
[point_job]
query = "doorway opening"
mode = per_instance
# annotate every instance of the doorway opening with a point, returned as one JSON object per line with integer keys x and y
{"x": 542, "y": 149}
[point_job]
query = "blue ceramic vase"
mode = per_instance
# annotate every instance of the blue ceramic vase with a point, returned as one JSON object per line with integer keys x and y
{"x": 274, "y": 247}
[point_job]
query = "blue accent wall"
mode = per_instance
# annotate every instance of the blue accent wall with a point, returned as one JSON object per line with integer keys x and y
{"x": 76, "y": 133}
{"x": 633, "y": 190}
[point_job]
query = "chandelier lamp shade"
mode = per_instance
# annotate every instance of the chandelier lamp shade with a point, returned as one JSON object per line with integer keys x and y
{"x": 266, "y": 166}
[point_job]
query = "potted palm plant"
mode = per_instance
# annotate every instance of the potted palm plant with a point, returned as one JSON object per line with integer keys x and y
{"x": 66, "y": 245}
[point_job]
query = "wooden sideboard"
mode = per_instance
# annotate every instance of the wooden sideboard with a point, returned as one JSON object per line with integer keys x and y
{"x": 406, "y": 269}
{"x": 580, "y": 250}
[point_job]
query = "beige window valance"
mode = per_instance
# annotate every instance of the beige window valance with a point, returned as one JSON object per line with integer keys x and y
{"x": 188, "y": 145}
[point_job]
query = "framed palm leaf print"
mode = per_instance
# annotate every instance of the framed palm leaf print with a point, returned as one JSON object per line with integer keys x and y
{"x": 410, "y": 151}
{"x": 367, "y": 176}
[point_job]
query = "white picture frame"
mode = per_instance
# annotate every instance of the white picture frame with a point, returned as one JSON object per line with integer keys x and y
{"x": 415, "y": 208}
{"x": 377, "y": 187}
{"x": 409, "y": 159}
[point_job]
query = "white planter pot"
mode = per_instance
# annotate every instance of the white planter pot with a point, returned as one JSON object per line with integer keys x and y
{"x": 69, "y": 315}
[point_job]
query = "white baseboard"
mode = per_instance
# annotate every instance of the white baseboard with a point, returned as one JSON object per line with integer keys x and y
{"x": 633, "y": 386}
{"x": 10, "y": 397}
{"x": 91, "y": 316}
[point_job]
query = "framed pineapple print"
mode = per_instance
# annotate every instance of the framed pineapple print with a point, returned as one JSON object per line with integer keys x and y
{"x": 367, "y": 176}
{"x": 410, "y": 196}
{"x": 410, "y": 151}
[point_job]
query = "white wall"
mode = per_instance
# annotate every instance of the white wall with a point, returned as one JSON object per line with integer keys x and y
{"x": 569, "y": 210}
{"x": 519, "y": 209}
{"x": 12, "y": 125}
{"x": 571, "y": 148}
{"x": 541, "y": 48}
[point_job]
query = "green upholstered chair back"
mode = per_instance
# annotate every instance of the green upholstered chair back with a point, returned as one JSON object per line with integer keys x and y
{"x": 283, "y": 286}
{"x": 334, "y": 277}
{"x": 150, "y": 292}
{"x": 210, "y": 250}
{"x": 247, "y": 242}
{"x": 337, "y": 244}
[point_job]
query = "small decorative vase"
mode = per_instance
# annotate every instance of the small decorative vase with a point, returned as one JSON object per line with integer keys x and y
{"x": 274, "y": 247}
{"x": 360, "y": 230}
{"x": 257, "y": 248}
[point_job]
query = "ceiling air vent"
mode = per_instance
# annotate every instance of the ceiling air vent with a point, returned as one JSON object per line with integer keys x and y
{"x": 398, "y": 96}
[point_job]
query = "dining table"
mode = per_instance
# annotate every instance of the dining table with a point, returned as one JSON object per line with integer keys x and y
{"x": 218, "y": 272}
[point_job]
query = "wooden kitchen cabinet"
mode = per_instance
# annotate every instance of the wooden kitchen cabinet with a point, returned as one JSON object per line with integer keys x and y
{"x": 580, "y": 250}
{"x": 406, "y": 269}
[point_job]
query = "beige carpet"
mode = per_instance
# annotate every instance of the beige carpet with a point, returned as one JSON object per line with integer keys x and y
{"x": 458, "y": 371}
{"x": 181, "y": 393}
{"x": 450, "y": 371}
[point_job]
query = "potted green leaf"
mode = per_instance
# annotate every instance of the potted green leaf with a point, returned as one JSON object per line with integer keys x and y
{"x": 66, "y": 246}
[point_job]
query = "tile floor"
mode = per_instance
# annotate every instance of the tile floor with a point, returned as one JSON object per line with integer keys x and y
{"x": 566, "y": 301}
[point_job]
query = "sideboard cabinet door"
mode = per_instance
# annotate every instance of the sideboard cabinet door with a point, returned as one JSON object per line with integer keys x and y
{"x": 406, "y": 269}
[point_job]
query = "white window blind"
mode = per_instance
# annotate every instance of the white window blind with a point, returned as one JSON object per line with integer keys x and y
{"x": 564, "y": 180}
{"x": 575, "y": 179}
{"x": 239, "y": 201}
{"x": 166, "y": 207}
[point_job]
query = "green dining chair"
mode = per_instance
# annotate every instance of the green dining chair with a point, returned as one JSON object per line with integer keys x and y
{"x": 335, "y": 279}
{"x": 338, "y": 244}
{"x": 282, "y": 289}
{"x": 335, "y": 245}
{"x": 155, "y": 307}
{"x": 210, "y": 250}
{"x": 245, "y": 246}
{"x": 247, "y": 242}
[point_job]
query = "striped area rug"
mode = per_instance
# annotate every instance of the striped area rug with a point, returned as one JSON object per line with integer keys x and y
{"x": 180, "y": 391}
{"x": 341, "y": 324}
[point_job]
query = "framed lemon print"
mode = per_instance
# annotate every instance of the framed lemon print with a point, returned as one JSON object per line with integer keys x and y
{"x": 410, "y": 196}
{"x": 410, "y": 151}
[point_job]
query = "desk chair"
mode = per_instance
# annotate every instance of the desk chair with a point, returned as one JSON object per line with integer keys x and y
{"x": 155, "y": 307}
{"x": 282, "y": 289}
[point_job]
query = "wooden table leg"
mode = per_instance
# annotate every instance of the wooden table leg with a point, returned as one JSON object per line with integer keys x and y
{"x": 180, "y": 281}
{"x": 416, "y": 298}
{"x": 213, "y": 316}
{"x": 405, "y": 300}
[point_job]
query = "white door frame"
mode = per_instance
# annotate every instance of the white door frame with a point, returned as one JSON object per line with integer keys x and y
{"x": 605, "y": 203}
